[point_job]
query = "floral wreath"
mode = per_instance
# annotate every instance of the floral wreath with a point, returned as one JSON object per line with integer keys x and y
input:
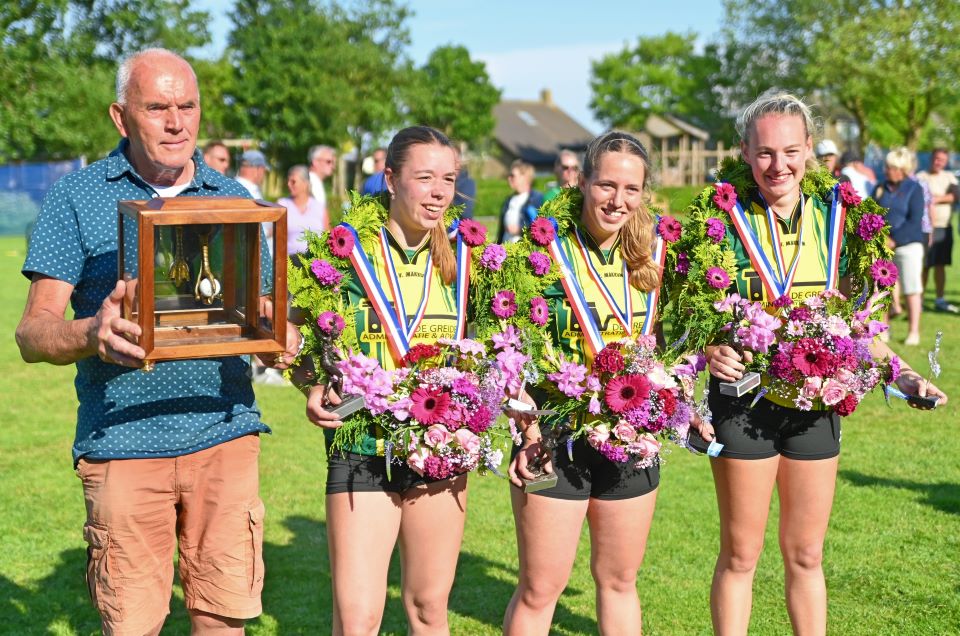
{"x": 701, "y": 265}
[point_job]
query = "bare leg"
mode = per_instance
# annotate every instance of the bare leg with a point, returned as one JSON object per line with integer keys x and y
{"x": 203, "y": 623}
{"x": 618, "y": 539}
{"x": 914, "y": 307}
{"x": 744, "y": 488}
{"x": 362, "y": 529}
{"x": 548, "y": 531}
{"x": 940, "y": 279}
{"x": 431, "y": 531}
{"x": 806, "y": 497}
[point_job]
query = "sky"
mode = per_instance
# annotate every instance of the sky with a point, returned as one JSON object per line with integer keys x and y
{"x": 529, "y": 45}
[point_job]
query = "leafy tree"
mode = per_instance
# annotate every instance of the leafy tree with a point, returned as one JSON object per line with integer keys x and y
{"x": 57, "y": 67}
{"x": 453, "y": 93}
{"x": 307, "y": 73}
{"x": 890, "y": 63}
{"x": 660, "y": 74}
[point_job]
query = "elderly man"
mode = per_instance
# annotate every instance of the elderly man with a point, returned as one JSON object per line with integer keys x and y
{"x": 323, "y": 160}
{"x": 252, "y": 171}
{"x": 167, "y": 456}
{"x": 567, "y": 169}
{"x": 943, "y": 191}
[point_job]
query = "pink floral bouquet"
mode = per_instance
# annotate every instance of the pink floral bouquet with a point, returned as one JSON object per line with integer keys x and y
{"x": 438, "y": 412}
{"x": 630, "y": 401}
{"x": 822, "y": 352}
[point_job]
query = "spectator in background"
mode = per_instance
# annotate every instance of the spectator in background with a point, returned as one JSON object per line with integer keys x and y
{"x": 943, "y": 192}
{"x": 520, "y": 208}
{"x": 567, "y": 169}
{"x": 303, "y": 211}
{"x": 376, "y": 182}
{"x": 828, "y": 154}
{"x": 217, "y": 156}
{"x": 323, "y": 161}
{"x": 860, "y": 176}
{"x": 903, "y": 199}
{"x": 465, "y": 192}
{"x": 253, "y": 170}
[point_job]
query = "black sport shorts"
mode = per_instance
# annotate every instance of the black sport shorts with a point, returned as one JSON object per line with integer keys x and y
{"x": 941, "y": 250}
{"x": 590, "y": 474}
{"x": 349, "y": 472}
{"x": 769, "y": 429}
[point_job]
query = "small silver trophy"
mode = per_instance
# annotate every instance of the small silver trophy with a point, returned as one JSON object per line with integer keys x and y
{"x": 930, "y": 402}
{"x": 750, "y": 379}
{"x": 349, "y": 404}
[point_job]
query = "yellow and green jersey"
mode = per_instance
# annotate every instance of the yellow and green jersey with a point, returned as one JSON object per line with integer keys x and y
{"x": 413, "y": 287}
{"x": 597, "y": 292}
{"x": 806, "y": 232}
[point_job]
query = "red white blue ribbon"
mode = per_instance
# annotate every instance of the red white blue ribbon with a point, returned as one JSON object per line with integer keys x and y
{"x": 463, "y": 286}
{"x": 653, "y": 297}
{"x": 624, "y": 316}
{"x": 589, "y": 327}
{"x": 835, "y": 227}
{"x": 776, "y": 279}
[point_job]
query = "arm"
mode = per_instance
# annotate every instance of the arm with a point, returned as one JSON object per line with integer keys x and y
{"x": 910, "y": 382}
{"x": 44, "y": 335}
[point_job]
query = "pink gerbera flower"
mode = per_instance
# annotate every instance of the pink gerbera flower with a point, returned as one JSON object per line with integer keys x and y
{"x": 884, "y": 273}
{"x": 725, "y": 196}
{"x": 429, "y": 405}
{"x": 340, "y": 242}
{"x": 473, "y": 233}
{"x": 811, "y": 358}
{"x": 626, "y": 392}
{"x": 330, "y": 323}
{"x": 539, "y": 314}
{"x": 542, "y": 232}
{"x": 504, "y": 304}
{"x": 669, "y": 228}
{"x": 718, "y": 278}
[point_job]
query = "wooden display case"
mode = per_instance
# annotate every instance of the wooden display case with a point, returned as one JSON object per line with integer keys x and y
{"x": 201, "y": 281}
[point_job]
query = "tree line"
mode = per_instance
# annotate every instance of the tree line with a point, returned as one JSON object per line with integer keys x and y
{"x": 890, "y": 66}
{"x": 295, "y": 73}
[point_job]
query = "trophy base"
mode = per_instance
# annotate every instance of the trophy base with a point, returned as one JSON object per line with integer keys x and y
{"x": 541, "y": 482}
{"x": 741, "y": 387}
{"x": 348, "y": 406}
{"x": 923, "y": 402}
{"x": 696, "y": 443}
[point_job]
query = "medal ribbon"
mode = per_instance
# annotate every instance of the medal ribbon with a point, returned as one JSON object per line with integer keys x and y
{"x": 396, "y": 336}
{"x": 463, "y": 286}
{"x": 776, "y": 283}
{"x": 408, "y": 328}
{"x": 625, "y": 317}
{"x": 591, "y": 332}
{"x": 836, "y": 224}
{"x": 653, "y": 297}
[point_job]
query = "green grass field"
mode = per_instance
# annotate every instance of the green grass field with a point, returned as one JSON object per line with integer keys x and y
{"x": 892, "y": 554}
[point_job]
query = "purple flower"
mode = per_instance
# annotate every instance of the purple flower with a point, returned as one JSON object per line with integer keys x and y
{"x": 718, "y": 278}
{"x": 683, "y": 263}
{"x": 493, "y": 257}
{"x": 614, "y": 453}
{"x": 569, "y": 377}
{"x": 540, "y": 263}
{"x": 504, "y": 304}
{"x": 759, "y": 335}
{"x": 326, "y": 273}
{"x": 783, "y": 301}
{"x": 716, "y": 229}
{"x": 884, "y": 273}
{"x": 869, "y": 225}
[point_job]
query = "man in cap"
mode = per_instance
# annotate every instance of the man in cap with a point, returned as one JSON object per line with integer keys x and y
{"x": 253, "y": 170}
{"x": 828, "y": 154}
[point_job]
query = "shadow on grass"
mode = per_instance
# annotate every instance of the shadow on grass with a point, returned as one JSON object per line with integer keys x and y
{"x": 297, "y": 595}
{"x": 943, "y": 496}
{"x": 59, "y": 601}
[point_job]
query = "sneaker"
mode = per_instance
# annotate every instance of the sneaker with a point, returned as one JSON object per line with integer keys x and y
{"x": 941, "y": 304}
{"x": 912, "y": 340}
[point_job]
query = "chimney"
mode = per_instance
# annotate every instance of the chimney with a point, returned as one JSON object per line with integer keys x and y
{"x": 546, "y": 96}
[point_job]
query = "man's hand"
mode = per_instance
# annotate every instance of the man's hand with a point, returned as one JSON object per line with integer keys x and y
{"x": 111, "y": 336}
